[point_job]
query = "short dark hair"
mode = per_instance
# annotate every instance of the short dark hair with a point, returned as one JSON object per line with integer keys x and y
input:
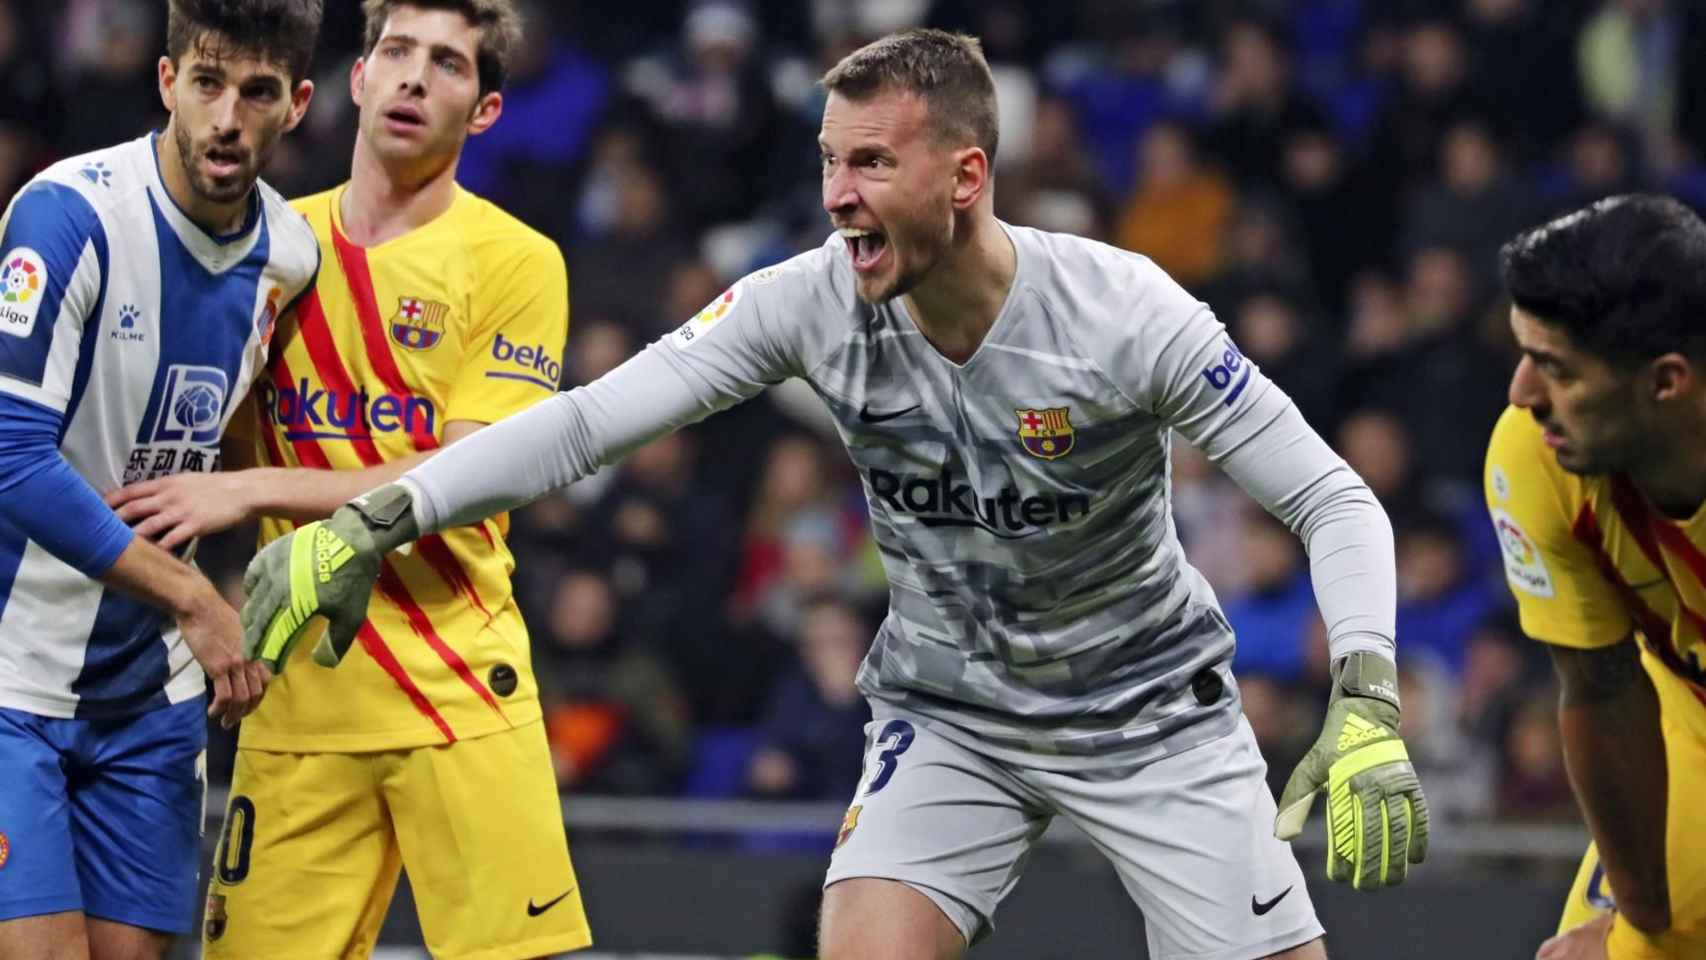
{"x": 946, "y": 69}
{"x": 499, "y": 22}
{"x": 283, "y": 32}
{"x": 1625, "y": 277}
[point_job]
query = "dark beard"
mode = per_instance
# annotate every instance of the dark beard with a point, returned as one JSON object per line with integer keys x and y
{"x": 204, "y": 187}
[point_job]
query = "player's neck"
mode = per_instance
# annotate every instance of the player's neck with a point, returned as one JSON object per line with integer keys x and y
{"x": 384, "y": 202}
{"x": 219, "y": 219}
{"x": 1677, "y": 486}
{"x": 958, "y": 302}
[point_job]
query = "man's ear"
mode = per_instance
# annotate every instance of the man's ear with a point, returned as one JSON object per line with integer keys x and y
{"x": 1673, "y": 376}
{"x": 299, "y": 100}
{"x": 971, "y": 177}
{"x": 168, "y": 76}
{"x": 357, "y": 80}
{"x": 486, "y": 113}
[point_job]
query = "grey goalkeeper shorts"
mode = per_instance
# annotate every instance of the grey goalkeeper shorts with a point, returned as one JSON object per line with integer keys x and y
{"x": 1191, "y": 836}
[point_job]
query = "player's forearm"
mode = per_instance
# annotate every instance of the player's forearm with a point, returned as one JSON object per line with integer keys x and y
{"x": 153, "y": 575}
{"x": 1614, "y": 750}
{"x": 42, "y": 496}
{"x": 556, "y": 442}
{"x": 1292, "y": 473}
{"x": 301, "y": 494}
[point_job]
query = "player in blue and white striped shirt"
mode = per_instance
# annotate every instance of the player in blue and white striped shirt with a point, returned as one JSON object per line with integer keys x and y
{"x": 139, "y": 286}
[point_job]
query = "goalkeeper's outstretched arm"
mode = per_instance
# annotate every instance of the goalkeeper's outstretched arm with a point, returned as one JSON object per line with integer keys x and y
{"x": 560, "y": 440}
{"x": 327, "y": 568}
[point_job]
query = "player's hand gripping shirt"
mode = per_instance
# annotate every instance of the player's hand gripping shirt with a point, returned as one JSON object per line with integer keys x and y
{"x": 127, "y": 336}
{"x": 1589, "y": 560}
{"x": 461, "y": 319}
{"x": 1039, "y": 599}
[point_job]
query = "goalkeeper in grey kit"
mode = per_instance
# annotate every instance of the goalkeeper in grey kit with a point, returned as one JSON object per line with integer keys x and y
{"x": 1007, "y": 396}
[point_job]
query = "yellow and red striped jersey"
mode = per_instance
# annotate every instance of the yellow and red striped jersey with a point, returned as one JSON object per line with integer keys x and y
{"x": 1590, "y": 560}
{"x": 464, "y": 318}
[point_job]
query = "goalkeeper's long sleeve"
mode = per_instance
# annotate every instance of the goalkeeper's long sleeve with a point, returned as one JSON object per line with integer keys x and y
{"x": 560, "y": 440}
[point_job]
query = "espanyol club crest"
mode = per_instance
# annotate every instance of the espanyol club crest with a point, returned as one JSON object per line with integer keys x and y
{"x": 418, "y": 324}
{"x": 1047, "y": 434}
{"x": 268, "y": 320}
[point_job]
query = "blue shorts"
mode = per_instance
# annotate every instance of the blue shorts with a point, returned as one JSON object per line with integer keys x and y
{"x": 103, "y": 816}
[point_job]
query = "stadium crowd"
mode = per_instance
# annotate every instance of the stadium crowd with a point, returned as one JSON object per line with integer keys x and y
{"x": 1334, "y": 177}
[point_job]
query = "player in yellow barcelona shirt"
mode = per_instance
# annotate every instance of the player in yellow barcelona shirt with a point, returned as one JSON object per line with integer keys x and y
{"x": 1596, "y": 483}
{"x": 435, "y": 313}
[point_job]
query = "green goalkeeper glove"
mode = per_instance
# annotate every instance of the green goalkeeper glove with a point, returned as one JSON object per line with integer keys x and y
{"x": 326, "y": 568}
{"x": 1377, "y": 818}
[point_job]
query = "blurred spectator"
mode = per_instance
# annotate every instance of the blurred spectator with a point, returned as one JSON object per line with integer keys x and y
{"x": 1271, "y": 330}
{"x": 1629, "y": 56}
{"x": 690, "y": 285}
{"x": 1203, "y": 500}
{"x": 1691, "y": 92}
{"x": 1510, "y": 44}
{"x": 1271, "y": 610}
{"x": 1419, "y": 363}
{"x": 1057, "y": 171}
{"x": 113, "y": 81}
{"x": 1601, "y": 163}
{"x": 1378, "y": 446}
{"x": 1178, "y": 209}
{"x": 615, "y": 720}
{"x": 1134, "y": 71}
{"x": 554, "y": 96}
{"x": 1345, "y": 222}
{"x": 721, "y": 123}
{"x": 663, "y": 540}
{"x": 1280, "y": 718}
{"x": 1441, "y": 601}
{"x": 1433, "y": 93}
{"x": 1494, "y": 677}
{"x": 1535, "y": 784}
{"x": 1460, "y": 772}
{"x": 793, "y": 482}
{"x": 27, "y": 113}
{"x": 1256, "y": 106}
{"x": 1259, "y": 254}
{"x": 596, "y": 347}
{"x": 1474, "y": 206}
{"x": 814, "y": 728}
{"x": 631, "y": 243}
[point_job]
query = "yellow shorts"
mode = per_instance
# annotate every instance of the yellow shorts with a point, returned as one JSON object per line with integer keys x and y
{"x": 312, "y": 845}
{"x": 1685, "y": 849}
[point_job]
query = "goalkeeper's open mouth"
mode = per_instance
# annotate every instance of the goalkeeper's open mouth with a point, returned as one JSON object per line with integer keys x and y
{"x": 866, "y": 247}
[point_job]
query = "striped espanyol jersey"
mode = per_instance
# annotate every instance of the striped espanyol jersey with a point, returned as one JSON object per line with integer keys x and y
{"x": 128, "y": 335}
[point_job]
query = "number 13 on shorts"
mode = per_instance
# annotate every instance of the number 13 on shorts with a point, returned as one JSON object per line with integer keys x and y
{"x": 883, "y": 759}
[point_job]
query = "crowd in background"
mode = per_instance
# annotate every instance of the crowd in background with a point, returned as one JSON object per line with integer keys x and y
{"x": 1334, "y": 177}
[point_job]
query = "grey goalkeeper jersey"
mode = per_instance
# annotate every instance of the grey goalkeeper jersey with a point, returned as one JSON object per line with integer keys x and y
{"x": 1040, "y": 605}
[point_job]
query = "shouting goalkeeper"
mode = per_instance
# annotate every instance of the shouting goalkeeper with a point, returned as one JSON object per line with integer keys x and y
{"x": 1008, "y": 397}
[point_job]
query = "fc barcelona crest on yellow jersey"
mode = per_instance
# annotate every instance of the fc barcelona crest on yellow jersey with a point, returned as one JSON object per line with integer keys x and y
{"x": 1047, "y": 434}
{"x": 418, "y": 324}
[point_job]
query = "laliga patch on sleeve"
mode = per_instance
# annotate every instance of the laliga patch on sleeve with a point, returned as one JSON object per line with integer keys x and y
{"x": 1524, "y": 566}
{"x": 695, "y": 329}
{"x": 23, "y": 286}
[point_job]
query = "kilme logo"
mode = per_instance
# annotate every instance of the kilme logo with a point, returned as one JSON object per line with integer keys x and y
{"x": 941, "y": 501}
{"x": 1233, "y": 365}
